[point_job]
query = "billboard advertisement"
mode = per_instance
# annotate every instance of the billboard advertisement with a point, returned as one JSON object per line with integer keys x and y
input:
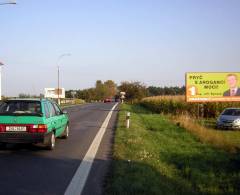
{"x": 213, "y": 87}
{"x": 53, "y": 93}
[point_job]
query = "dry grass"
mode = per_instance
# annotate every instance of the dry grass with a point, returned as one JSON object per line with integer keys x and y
{"x": 206, "y": 135}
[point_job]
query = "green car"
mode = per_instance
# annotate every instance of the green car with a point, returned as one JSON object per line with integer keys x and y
{"x": 32, "y": 121}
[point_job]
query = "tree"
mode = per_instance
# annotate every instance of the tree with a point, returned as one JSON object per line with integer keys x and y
{"x": 100, "y": 90}
{"x": 86, "y": 94}
{"x": 110, "y": 88}
{"x": 23, "y": 95}
{"x": 155, "y": 91}
{"x": 68, "y": 94}
{"x": 134, "y": 90}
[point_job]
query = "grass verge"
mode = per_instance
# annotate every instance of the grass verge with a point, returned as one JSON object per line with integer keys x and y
{"x": 156, "y": 156}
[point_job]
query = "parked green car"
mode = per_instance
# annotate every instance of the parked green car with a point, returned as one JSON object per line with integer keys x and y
{"x": 32, "y": 121}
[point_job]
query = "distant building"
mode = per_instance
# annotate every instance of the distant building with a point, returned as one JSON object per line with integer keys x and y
{"x": 53, "y": 93}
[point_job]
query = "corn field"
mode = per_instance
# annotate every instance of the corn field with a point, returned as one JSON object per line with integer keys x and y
{"x": 177, "y": 105}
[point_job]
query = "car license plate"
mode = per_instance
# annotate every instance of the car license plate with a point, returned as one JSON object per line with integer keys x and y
{"x": 16, "y": 128}
{"x": 227, "y": 125}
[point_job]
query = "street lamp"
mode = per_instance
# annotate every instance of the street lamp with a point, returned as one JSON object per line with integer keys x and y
{"x": 58, "y": 68}
{"x": 1, "y": 64}
{"x": 9, "y": 3}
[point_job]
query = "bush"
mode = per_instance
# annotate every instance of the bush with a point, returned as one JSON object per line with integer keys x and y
{"x": 79, "y": 101}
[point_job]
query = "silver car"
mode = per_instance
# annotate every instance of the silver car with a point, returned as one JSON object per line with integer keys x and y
{"x": 229, "y": 119}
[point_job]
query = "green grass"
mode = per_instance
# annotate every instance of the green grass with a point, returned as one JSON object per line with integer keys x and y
{"x": 155, "y": 156}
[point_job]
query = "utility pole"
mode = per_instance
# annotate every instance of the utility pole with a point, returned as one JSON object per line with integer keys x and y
{"x": 58, "y": 73}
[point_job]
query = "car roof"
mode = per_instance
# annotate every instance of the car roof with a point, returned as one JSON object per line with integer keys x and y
{"x": 28, "y": 99}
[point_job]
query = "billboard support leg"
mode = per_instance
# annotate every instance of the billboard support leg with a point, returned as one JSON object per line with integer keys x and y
{"x": 198, "y": 111}
{"x": 202, "y": 114}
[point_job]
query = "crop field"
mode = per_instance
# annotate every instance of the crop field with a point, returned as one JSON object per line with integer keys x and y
{"x": 177, "y": 105}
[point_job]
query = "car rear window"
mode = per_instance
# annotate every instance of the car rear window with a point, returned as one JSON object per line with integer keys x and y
{"x": 232, "y": 112}
{"x": 17, "y": 107}
{"x": 47, "y": 113}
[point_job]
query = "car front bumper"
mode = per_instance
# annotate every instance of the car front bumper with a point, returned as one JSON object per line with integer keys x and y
{"x": 228, "y": 126}
{"x": 24, "y": 137}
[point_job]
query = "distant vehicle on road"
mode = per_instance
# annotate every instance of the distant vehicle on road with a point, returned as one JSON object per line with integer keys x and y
{"x": 107, "y": 100}
{"x": 229, "y": 119}
{"x": 117, "y": 100}
{"x": 32, "y": 121}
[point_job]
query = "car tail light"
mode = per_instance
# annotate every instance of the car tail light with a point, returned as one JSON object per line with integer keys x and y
{"x": 32, "y": 128}
{"x": 2, "y": 128}
{"x": 38, "y": 128}
{"x": 42, "y": 128}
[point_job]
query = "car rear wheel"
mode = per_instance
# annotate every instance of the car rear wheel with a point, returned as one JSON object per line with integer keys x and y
{"x": 66, "y": 132}
{"x": 52, "y": 141}
{"x": 3, "y": 145}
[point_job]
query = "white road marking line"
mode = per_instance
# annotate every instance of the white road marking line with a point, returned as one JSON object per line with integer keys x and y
{"x": 79, "y": 179}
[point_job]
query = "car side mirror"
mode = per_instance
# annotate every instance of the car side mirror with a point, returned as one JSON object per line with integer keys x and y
{"x": 65, "y": 112}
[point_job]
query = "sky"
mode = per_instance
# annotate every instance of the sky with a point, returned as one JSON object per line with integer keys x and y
{"x": 152, "y": 41}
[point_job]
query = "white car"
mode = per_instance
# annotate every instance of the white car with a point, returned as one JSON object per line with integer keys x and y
{"x": 229, "y": 119}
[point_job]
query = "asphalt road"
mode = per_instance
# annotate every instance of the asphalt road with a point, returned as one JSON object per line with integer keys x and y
{"x": 27, "y": 169}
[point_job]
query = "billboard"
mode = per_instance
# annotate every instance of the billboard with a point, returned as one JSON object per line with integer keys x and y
{"x": 213, "y": 86}
{"x": 53, "y": 93}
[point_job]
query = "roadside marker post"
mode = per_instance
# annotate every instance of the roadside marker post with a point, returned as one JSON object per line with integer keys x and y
{"x": 128, "y": 120}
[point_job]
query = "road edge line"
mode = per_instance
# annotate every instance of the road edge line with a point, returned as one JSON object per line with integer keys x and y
{"x": 80, "y": 177}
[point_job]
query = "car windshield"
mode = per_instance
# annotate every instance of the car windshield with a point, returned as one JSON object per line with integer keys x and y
{"x": 18, "y": 107}
{"x": 232, "y": 112}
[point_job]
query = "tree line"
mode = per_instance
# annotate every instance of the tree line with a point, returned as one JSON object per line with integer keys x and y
{"x": 109, "y": 89}
{"x": 134, "y": 91}
{"x": 101, "y": 91}
{"x": 156, "y": 91}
